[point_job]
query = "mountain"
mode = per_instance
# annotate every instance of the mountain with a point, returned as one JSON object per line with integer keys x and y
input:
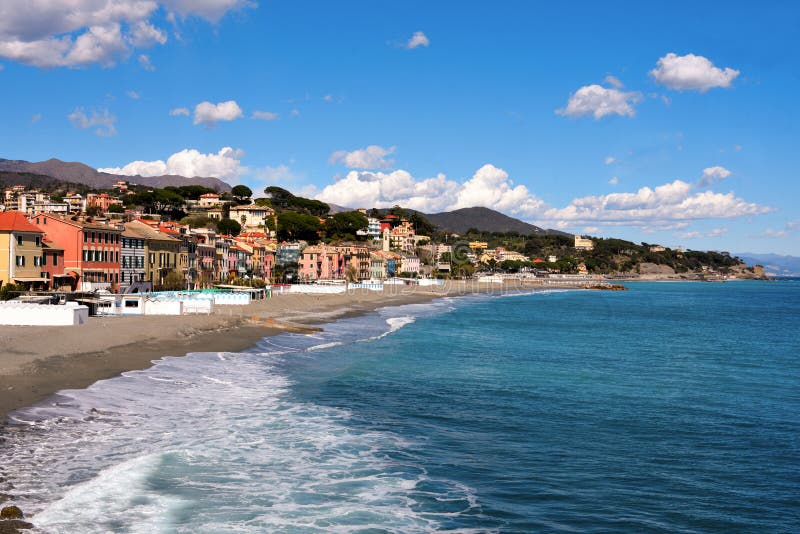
{"x": 487, "y": 220}
{"x": 79, "y": 173}
{"x": 774, "y": 264}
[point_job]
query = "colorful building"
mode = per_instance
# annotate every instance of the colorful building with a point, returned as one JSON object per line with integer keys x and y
{"x": 91, "y": 251}
{"x": 20, "y": 251}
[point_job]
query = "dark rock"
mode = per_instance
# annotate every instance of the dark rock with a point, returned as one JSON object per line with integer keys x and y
{"x": 11, "y": 512}
{"x": 13, "y": 526}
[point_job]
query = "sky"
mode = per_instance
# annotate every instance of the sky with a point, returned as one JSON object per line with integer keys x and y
{"x": 672, "y": 123}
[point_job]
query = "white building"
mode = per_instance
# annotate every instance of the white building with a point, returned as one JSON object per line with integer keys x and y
{"x": 582, "y": 243}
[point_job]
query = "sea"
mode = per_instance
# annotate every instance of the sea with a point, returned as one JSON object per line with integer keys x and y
{"x": 670, "y": 407}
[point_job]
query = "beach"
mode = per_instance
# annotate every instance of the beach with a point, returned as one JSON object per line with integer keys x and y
{"x": 38, "y": 361}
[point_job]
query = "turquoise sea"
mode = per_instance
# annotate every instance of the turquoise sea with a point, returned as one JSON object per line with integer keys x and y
{"x": 671, "y": 407}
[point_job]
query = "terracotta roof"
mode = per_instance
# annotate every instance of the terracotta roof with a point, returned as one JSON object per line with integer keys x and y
{"x": 15, "y": 221}
{"x": 146, "y": 231}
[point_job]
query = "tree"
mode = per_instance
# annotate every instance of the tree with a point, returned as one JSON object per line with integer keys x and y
{"x": 93, "y": 211}
{"x": 295, "y": 226}
{"x": 284, "y": 200}
{"x": 173, "y": 281}
{"x": 116, "y": 208}
{"x": 351, "y": 274}
{"x": 345, "y": 225}
{"x": 228, "y": 227}
{"x": 242, "y": 194}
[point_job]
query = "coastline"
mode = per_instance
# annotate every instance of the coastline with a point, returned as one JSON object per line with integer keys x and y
{"x": 45, "y": 360}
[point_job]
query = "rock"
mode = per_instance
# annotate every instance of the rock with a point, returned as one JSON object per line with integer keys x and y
{"x": 13, "y": 526}
{"x": 11, "y": 512}
{"x": 5, "y": 497}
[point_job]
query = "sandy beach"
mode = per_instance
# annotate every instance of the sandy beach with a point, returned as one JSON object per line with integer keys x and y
{"x": 36, "y": 362}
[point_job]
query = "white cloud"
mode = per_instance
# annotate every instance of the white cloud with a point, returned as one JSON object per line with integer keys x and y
{"x": 209, "y": 114}
{"x": 144, "y": 34}
{"x": 265, "y": 115}
{"x": 180, "y": 111}
{"x": 102, "y": 119}
{"x": 371, "y": 157}
{"x": 328, "y": 98}
{"x": 144, "y": 62}
{"x": 712, "y": 175}
{"x": 660, "y": 206}
{"x": 72, "y": 33}
{"x": 691, "y": 72}
{"x": 489, "y": 187}
{"x": 134, "y": 95}
{"x": 610, "y": 160}
{"x": 593, "y": 230}
{"x": 614, "y": 82}
{"x": 417, "y": 40}
{"x": 36, "y": 118}
{"x": 295, "y": 112}
{"x": 225, "y": 165}
{"x": 599, "y": 102}
{"x": 614, "y": 180}
{"x": 715, "y": 232}
{"x": 211, "y": 10}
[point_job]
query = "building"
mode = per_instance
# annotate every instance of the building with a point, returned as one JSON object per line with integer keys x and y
{"x": 20, "y": 251}
{"x": 101, "y": 201}
{"x": 133, "y": 258}
{"x": 321, "y": 262}
{"x": 402, "y": 237}
{"x": 205, "y": 256}
{"x": 53, "y": 267}
{"x": 288, "y": 253}
{"x": 582, "y": 243}
{"x": 383, "y": 264}
{"x": 208, "y": 200}
{"x": 91, "y": 251}
{"x": 657, "y": 248}
{"x": 162, "y": 253}
{"x": 478, "y": 245}
{"x": 251, "y": 217}
{"x": 373, "y": 230}
{"x": 357, "y": 258}
{"x": 409, "y": 264}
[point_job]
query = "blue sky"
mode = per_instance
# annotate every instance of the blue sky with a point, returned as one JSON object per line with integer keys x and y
{"x": 575, "y": 117}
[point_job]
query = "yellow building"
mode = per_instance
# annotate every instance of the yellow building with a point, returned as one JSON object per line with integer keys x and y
{"x": 162, "y": 253}
{"x": 582, "y": 243}
{"x": 20, "y": 251}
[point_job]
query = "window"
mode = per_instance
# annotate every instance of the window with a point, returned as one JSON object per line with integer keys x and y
{"x": 37, "y": 261}
{"x": 20, "y": 261}
{"x": 38, "y": 240}
{"x": 85, "y": 237}
{"x": 19, "y": 240}
{"x": 55, "y": 259}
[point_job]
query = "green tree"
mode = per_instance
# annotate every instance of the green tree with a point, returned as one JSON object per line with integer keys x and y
{"x": 229, "y": 227}
{"x": 173, "y": 281}
{"x": 116, "y": 208}
{"x": 242, "y": 194}
{"x": 345, "y": 225}
{"x": 294, "y": 226}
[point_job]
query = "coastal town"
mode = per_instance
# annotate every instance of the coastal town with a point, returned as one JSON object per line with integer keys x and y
{"x": 111, "y": 251}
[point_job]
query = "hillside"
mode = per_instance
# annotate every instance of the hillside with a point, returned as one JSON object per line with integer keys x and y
{"x": 83, "y": 174}
{"x": 774, "y": 264}
{"x": 485, "y": 220}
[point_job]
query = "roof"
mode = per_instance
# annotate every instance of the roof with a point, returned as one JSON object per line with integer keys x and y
{"x": 15, "y": 221}
{"x": 79, "y": 224}
{"x": 145, "y": 231}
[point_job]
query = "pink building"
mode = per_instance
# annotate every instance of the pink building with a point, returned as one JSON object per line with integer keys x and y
{"x": 321, "y": 262}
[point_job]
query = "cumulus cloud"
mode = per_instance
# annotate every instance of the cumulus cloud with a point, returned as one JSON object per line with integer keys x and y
{"x": 659, "y": 206}
{"x": 73, "y": 33}
{"x": 691, "y": 72}
{"x": 712, "y": 175}
{"x": 489, "y": 187}
{"x": 265, "y": 115}
{"x": 209, "y": 114}
{"x": 417, "y": 40}
{"x": 225, "y": 165}
{"x": 177, "y": 112}
{"x": 144, "y": 62}
{"x": 600, "y": 102}
{"x": 614, "y": 180}
{"x": 101, "y": 120}
{"x": 371, "y": 157}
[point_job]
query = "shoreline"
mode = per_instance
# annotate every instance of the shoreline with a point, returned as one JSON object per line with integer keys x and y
{"x": 47, "y": 359}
